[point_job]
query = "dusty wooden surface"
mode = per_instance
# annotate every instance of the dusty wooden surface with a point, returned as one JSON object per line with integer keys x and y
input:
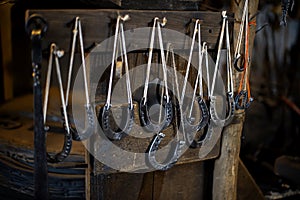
{"x": 226, "y": 166}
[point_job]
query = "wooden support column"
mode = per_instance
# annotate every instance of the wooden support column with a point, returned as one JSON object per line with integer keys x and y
{"x": 226, "y": 166}
{"x": 6, "y": 49}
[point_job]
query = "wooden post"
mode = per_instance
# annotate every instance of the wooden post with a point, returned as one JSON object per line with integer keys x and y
{"x": 226, "y": 166}
{"x": 6, "y": 48}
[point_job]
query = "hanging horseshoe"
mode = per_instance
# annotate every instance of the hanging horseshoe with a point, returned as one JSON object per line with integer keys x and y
{"x": 204, "y": 138}
{"x": 59, "y": 157}
{"x": 105, "y": 112}
{"x": 177, "y": 144}
{"x": 89, "y": 130}
{"x": 243, "y": 99}
{"x": 145, "y": 119}
{"x": 189, "y": 126}
{"x": 229, "y": 93}
{"x": 198, "y": 143}
{"x": 239, "y": 59}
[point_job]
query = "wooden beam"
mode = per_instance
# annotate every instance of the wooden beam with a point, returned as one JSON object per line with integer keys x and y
{"x": 226, "y": 166}
{"x": 6, "y": 46}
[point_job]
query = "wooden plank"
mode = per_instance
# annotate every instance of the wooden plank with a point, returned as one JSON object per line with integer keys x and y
{"x": 226, "y": 166}
{"x": 1, "y": 71}
{"x": 6, "y": 46}
{"x": 246, "y": 185}
{"x": 180, "y": 182}
{"x": 97, "y": 24}
{"x": 125, "y": 186}
{"x": 161, "y": 4}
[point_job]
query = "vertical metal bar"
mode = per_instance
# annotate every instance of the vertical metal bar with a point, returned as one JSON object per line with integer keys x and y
{"x": 36, "y": 27}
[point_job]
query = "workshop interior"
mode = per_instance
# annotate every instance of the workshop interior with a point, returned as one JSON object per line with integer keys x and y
{"x": 137, "y": 99}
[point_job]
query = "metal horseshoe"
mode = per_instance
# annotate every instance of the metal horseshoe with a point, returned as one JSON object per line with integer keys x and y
{"x": 145, "y": 119}
{"x": 243, "y": 99}
{"x": 229, "y": 93}
{"x": 59, "y": 157}
{"x": 239, "y": 59}
{"x": 203, "y": 121}
{"x": 177, "y": 144}
{"x": 105, "y": 112}
{"x": 79, "y": 135}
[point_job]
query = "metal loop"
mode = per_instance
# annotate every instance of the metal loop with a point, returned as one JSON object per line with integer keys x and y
{"x": 34, "y": 23}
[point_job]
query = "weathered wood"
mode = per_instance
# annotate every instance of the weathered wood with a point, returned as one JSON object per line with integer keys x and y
{"x": 246, "y": 185}
{"x": 7, "y": 57}
{"x": 226, "y": 166}
{"x": 97, "y": 24}
{"x": 180, "y": 182}
{"x": 1, "y": 71}
{"x": 161, "y": 4}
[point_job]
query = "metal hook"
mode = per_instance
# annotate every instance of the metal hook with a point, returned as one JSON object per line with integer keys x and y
{"x": 105, "y": 112}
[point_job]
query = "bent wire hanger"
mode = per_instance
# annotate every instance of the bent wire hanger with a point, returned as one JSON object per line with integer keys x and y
{"x": 145, "y": 119}
{"x": 66, "y": 149}
{"x": 84, "y": 134}
{"x": 177, "y": 143}
{"x": 187, "y": 117}
{"x": 229, "y": 93}
{"x": 105, "y": 112}
{"x": 239, "y": 59}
